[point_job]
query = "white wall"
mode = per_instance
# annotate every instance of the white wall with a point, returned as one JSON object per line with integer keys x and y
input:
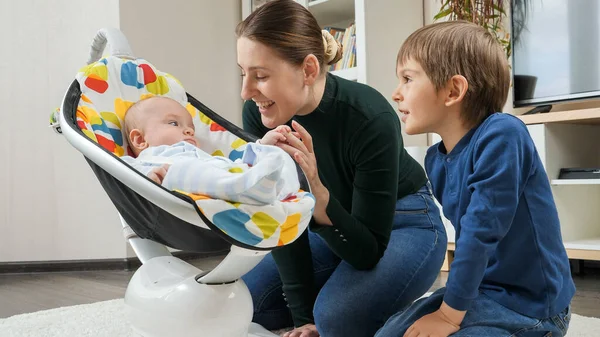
{"x": 387, "y": 25}
{"x": 51, "y": 205}
{"x": 195, "y": 42}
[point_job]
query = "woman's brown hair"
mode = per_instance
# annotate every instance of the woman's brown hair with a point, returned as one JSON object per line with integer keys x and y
{"x": 289, "y": 29}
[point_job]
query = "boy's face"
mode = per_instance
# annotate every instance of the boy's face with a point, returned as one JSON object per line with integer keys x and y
{"x": 422, "y": 108}
{"x": 168, "y": 124}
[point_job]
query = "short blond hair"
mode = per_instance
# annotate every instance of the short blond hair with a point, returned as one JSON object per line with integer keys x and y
{"x": 134, "y": 117}
{"x": 452, "y": 48}
{"x": 131, "y": 120}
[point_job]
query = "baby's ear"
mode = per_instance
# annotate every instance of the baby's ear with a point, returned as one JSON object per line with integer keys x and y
{"x": 137, "y": 140}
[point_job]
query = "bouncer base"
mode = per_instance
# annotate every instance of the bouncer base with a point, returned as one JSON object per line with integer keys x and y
{"x": 164, "y": 298}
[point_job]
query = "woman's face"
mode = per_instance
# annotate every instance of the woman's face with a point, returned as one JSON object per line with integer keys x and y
{"x": 276, "y": 86}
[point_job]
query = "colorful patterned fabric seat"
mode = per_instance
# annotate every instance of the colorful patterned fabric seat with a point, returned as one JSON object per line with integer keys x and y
{"x": 112, "y": 84}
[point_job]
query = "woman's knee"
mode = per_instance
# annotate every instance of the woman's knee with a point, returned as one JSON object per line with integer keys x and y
{"x": 333, "y": 320}
{"x": 335, "y": 316}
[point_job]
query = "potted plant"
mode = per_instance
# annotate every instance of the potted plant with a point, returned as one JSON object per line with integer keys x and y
{"x": 491, "y": 14}
{"x": 486, "y": 13}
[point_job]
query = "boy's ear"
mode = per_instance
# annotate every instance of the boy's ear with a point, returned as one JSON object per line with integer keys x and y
{"x": 311, "y": 69}
{"x": 137, "y": 140}
{"x": 456, "y": 90}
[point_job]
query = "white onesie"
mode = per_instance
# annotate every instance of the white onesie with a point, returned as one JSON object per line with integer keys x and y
{"x": 263, "y": 175}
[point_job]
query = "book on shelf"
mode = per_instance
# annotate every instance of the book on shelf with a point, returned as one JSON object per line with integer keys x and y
{"x": 347, "y": 37}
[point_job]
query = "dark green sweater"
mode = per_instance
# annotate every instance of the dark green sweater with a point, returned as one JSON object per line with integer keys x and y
{"x": 362, "y": 162}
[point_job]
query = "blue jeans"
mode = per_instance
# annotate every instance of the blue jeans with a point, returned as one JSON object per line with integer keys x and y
{"x": 354, "y": 303}
{"x": 486, "y": 317}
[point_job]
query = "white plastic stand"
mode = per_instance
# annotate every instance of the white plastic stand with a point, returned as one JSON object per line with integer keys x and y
{"x": 167, "y": 297}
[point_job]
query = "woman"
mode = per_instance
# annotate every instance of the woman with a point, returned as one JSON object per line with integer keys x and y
{"x": 376, "y": 242}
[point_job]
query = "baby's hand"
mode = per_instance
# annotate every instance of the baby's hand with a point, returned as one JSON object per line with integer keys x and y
{"x": 283, "y": 129}
{"x": 275, "y": 135}
{"x": 158, "y": 174}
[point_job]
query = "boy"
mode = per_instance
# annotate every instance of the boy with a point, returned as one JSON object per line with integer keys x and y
{"x": 161, "y": 132}
{"x": 510, "y": 275}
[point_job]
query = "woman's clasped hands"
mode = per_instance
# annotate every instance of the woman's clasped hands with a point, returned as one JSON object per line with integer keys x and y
{"x": 298, "y": 144}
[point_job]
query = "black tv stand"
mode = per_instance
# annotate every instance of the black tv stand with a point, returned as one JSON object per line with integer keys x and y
{"x": 539, "y": 109}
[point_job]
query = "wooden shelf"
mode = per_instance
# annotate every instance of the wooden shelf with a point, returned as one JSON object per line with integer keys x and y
{"x": 575, "y": 182}
{"x": 584, "y": 116}
{"x": 576, "y": 250}
{"x": 587, "y": 244}
{"x": 331, "y": 12}
{"x": 584, "y": 249}
{"x": 348, "y": 73}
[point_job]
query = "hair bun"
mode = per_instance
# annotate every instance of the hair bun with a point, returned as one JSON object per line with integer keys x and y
{"x": 333, "y": 49}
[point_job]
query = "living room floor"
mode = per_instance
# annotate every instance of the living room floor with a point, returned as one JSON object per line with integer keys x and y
{"x": 25, "y": 293}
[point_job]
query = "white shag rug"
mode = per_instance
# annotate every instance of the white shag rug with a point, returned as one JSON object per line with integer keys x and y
{"x": 108, "y": 319}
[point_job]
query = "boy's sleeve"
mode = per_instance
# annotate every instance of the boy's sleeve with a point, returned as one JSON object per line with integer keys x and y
{"x": 503, "y": 160}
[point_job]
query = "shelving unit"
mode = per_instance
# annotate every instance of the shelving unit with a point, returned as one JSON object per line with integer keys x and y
{"x": 575, "y": 182}
{"x": 572, "y": 139}
{"x": 331, "y": 12}
{"x": 583, "y": 116}
{"x": 339, "y": 14}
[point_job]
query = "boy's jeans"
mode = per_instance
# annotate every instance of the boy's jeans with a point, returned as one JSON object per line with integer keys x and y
{"x": 486, "y": 317}
{"x": 355, "y": 303}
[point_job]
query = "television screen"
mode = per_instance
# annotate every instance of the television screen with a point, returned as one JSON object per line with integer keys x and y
{"x": 556, "y": 51}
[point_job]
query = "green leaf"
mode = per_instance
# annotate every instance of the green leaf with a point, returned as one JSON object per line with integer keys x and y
{"x": 442, "y": 14}
{"x": 498, "y": 9}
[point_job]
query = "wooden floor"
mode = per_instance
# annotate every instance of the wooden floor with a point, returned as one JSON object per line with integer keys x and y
{"x": 24, "y": 293}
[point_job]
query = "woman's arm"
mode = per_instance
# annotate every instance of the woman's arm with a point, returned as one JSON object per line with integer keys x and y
{"x": 361, "y": 235}
{"x": 294, "y": 261}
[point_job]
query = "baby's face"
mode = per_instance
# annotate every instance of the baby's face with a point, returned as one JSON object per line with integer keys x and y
{"x": 171, "y": 124}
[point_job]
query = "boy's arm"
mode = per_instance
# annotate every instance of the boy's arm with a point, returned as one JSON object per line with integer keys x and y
{"x": 502, "y": 162}
{"x": 503, "y": 159}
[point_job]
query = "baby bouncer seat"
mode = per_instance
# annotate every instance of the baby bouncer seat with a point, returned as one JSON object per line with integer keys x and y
{"x": 167, "y": 296}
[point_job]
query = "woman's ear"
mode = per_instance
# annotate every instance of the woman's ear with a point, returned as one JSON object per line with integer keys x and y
{"x": 311, "y": 69}
{"x": 137, "y": 140}
{"x": 456, "y": 90}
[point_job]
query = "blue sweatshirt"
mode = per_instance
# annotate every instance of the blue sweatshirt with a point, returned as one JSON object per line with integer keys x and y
{"x": 493, "y": 188}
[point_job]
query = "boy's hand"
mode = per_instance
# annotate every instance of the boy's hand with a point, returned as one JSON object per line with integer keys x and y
{"x": 158, "y": 174}
{"x": 440, "y": 323}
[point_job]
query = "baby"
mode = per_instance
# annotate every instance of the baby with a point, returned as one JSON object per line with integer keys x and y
{"x": 161, "y": 132}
